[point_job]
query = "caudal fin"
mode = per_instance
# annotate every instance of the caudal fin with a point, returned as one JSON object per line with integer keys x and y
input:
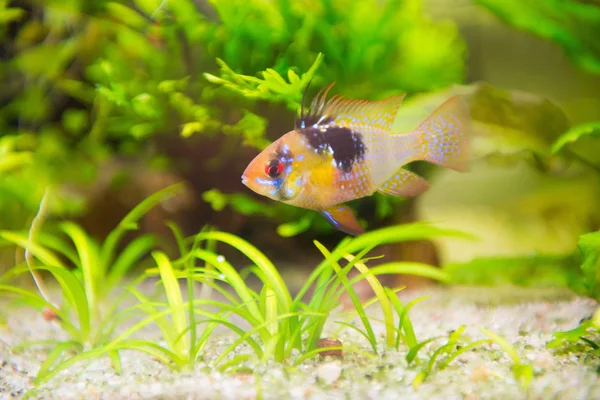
{"x": 444, "y": 137}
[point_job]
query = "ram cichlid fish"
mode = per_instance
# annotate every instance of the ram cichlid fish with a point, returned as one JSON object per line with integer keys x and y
{"x": 344, "y": 149}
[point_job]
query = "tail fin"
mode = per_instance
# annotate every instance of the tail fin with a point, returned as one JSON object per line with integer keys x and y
{"x": 444, "y": 137}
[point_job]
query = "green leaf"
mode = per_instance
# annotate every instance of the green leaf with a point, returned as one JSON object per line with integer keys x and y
{"x": 74, "y": 292}
{"x": 239, "y": 202}
{"x": 414, "y": 351}
{"x": 130, "y": 221}
{"x": 272, "y": 87}
{"x": 411, "y": 268}
{"x": 404, "y": 321}
{"x": 574, "y": 134}
{"x": 443, "y": 364}
{"x": 521, "y": 371}
{"x": 297, "y": 227}
{"x": 126, "y": 15}
{"x": 148, "y": 6}
{"x": 573, "y": 24}
{"x": 75, "y": 121}
{"x": 589, "y": 245}
{"x": 173, "y": 291}
{"x": 145, "y": 105}
{"x": 341, "y": 276}
{"x": 581, "y": 142}
{"x": 45, "y": 256}
{"x": 191, "y": 128}
{"x": 251, "y": 128}
{"x": 399, "y": 233}
{"x": 383, "y": 299}
{"x": 576, "y": 334}
{"x": 11, "y": 14}
{"x": 90, "y": 263}
{"x": 38, "y": 301}
{"x": 127, "y": 259}
{"x": 504, "y": 345}
{"x": 523, "y": 374}
{"x": 262, "y": 262}
{"x": 233, "y": 279}
{"x": 13, "y": 161}
{"x": 48, "y": 59}
{"x": 46, "y": 367}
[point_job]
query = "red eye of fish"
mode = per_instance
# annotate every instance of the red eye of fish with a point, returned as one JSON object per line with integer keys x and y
{"x": 274, "y": 168}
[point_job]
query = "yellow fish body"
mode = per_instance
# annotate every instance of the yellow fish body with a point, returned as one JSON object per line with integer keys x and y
{"x": 343, "y": 149}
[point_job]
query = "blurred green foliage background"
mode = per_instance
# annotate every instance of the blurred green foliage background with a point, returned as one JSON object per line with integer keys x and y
{"x": 105, "y": 102}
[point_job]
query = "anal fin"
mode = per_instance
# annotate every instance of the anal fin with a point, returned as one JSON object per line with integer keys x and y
{"x": 342, "y": 218}
{"x": 405, "y": 184}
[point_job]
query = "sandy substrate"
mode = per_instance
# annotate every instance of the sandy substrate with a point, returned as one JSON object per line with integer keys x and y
{"x": 526, "y": 318}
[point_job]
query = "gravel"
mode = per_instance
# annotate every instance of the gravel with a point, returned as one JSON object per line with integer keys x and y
{"x": 526, "y": 318}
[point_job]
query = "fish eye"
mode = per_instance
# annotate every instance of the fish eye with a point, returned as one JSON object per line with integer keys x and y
{"x": 274, "y": 168}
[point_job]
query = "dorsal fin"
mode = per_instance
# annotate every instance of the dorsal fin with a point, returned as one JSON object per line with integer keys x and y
{"x": 379, "y": 113}
{"x": 315, "y": 115}
{"x": 345, "y": 112}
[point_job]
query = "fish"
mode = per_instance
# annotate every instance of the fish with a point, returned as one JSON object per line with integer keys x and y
{"x": 342, "y": 149}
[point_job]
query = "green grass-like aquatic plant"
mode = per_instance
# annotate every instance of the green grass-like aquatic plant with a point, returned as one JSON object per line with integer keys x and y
{"x": 86, "y": 273}
{"x": 278, "y": 322}
{"x": 442, "y": 356}
{"x": 522, "y": 372}
{"x": 277, "y": 325}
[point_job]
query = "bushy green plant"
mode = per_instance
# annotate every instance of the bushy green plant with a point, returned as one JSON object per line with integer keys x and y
{"x": 110, "y": 79}
{"x": 392, "y": 44}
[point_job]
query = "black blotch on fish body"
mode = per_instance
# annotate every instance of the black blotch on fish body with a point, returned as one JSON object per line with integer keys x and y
{"x": 346, "y": 146}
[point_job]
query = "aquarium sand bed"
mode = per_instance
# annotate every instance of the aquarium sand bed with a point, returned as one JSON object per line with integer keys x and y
{"x": 526, "y": 318}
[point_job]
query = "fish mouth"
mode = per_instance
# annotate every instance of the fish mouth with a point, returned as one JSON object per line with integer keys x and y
{"x": 244, "y": 180}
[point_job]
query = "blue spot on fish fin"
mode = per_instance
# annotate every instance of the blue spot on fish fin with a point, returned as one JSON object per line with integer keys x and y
{"x": 342, "y": 218}
{"x": 404, "y": 184}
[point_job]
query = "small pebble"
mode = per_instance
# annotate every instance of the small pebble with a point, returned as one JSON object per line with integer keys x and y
{"x": 49, "y": 314}
{"x": 329, "y": 372}
{"x": 480, "y": 372}
{"x": 544, "y": 360}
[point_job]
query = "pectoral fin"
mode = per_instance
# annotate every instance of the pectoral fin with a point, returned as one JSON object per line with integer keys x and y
{"x": 405, "y": 184}
{"x": 343, "y": 218}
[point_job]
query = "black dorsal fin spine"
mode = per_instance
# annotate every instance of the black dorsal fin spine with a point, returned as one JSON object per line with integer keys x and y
{"x": 315, "y": 114}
